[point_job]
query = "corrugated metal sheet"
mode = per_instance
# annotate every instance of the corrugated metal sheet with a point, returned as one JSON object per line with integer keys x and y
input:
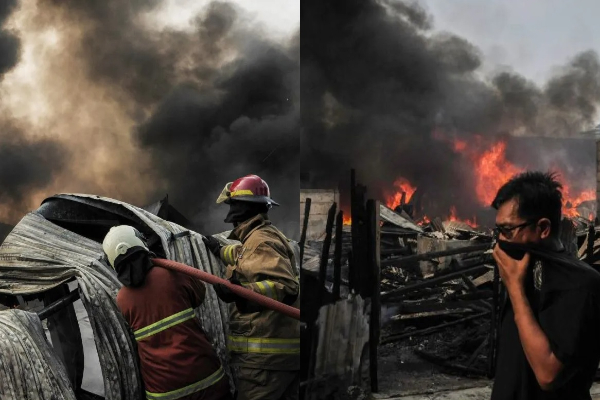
{"x": 339, "y": 351}
{"x": 38, "y": 255}
{"x": 26, "y": 358}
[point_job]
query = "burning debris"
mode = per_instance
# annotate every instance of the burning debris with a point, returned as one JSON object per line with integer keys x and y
{"x": 437, "y": 288}
{"x": 415, "y": 100}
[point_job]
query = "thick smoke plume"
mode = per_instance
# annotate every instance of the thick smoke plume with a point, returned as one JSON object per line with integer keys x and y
{"x": 123, "y": 107}
{"x": 24, "y": 165}
{"x": 384, "y": 93}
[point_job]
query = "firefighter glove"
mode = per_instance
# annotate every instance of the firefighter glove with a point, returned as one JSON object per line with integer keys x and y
{"x": 225, "y": 293}
{"x": 212, "y": 244}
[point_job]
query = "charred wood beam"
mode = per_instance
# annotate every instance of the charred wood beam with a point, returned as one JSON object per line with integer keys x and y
{"x": 397, "y": 251}
{"x": 477, "y": 352}
{"x": 304, "y": 229}
{"x": 360, "y": 281}
{"x": 436, "y": 254}
{"x": 394, "y": 231}
{"x": 374, "y": 257}
{"x": 337, "y": 257}
{"x": 431, "y": 306}
{"x": 590, "y": 244}
{"x": 433, "y": 329}
{"x": 325, "y": 253}
{"x": 494, "y": 325}
{"x": 430, "y": 282}
{"x": 58, "y": 305}
{"x": 445, "y": 364}
{"x": 393, "y": 277}
{"x": 313, "y": 329}
{"x": 469, "y": 283}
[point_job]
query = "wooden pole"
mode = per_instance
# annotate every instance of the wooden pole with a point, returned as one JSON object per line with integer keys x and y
{"x": 304, "y": 228}
{"x": 325, "y": 253}
{"x": 337, "y": 258}
{"x": 321, "y": 285}
{"x": 375, "y": 320}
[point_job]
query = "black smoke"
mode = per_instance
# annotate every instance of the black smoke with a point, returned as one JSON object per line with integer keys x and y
{"x": 211, "y": 105}
{"x": 25, "y": 165}
{"x": 9, "y": 43}
{"x": 384, "y": 93}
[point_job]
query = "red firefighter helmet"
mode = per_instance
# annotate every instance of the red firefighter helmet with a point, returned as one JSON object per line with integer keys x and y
{"x": 248, "y": 188}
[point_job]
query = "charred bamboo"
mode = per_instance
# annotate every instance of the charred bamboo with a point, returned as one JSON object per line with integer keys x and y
{"x": 433, "y": 329}
{"x": 435, "y": 254}
{"x": 430, "y": 282}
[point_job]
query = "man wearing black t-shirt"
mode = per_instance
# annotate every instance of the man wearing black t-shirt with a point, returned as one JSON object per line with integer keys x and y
{"x": 549, "y": 345}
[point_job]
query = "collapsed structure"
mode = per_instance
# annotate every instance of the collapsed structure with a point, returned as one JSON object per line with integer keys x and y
{"x": 433, "y": 289}
{"x": 59, "y": 245}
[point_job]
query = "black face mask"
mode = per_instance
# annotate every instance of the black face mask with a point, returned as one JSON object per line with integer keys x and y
{"x": 133, "y": 266}
{"x": 240, "y": 211}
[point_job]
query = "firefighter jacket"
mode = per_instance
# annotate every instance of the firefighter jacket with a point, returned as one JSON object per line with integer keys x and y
{"x": 264, "y": 263}
{"x": 176, "y": 358}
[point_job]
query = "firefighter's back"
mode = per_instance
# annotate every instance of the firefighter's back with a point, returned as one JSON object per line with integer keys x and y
{"x": 176, "y": 356}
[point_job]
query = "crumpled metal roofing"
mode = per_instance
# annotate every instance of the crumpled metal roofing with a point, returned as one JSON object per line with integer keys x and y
{"x": 28, "y": 367}
{"x": 38, "y": 255}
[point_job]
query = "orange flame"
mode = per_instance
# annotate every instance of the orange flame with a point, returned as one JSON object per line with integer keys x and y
{"x": 404, "y": 186}
{"x": 347, "y": 220}
{"x": 493, "y": 170}
{"x": 472, "y": 223}
{"x": 570, "y": 204}
{"x": 424, "y": 220}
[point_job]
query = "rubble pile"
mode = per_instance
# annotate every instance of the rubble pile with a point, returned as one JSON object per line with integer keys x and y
{"x": 439, "y": 286}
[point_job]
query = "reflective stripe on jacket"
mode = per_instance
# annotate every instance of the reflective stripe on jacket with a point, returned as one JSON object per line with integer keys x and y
{"x": 264, "y": 263}
{"x": 193, "y": 388}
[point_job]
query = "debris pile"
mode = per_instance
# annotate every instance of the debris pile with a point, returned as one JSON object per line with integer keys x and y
{"x": 439, "y": 285}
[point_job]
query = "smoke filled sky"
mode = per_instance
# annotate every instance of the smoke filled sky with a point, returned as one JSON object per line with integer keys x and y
{"x": 392, "y": 88}
{"x": 529, "y": 37}
{"x": 134, "y": 101}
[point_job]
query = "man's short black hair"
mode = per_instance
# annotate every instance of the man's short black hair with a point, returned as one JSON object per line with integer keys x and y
{"x": 538, "y": 195}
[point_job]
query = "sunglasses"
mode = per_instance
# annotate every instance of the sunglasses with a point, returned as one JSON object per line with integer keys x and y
{"x": 508, "y": 231}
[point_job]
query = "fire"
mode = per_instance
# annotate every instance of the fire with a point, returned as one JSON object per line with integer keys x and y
{"x": 570, "y": 203}
{"x": 424, "y": 220}
{"x": 347, "y": 220}
{"x": 493, "y": 170}
{"x": 472, "y": 223}
{"x": 403, "y": 186}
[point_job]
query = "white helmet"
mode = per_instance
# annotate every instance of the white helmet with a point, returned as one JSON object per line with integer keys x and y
{"x": 120, "y": 239}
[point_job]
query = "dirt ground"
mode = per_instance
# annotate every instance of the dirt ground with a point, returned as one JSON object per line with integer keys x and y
{"x": 405, "y": 376}
{"x": 402, "y": 373}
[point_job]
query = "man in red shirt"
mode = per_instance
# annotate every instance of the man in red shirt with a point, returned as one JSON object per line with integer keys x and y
{"x": 177, "y": 360}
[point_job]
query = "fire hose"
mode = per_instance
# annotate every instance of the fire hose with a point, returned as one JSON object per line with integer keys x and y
{"x": 248, "y": 294}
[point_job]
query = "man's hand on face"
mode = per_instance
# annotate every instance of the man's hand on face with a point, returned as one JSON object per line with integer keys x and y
{"x": 511, "y": 271}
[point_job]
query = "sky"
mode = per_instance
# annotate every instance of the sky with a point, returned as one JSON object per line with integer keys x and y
{"x": 529, "y": 37}
{"x": 279, "y": 17}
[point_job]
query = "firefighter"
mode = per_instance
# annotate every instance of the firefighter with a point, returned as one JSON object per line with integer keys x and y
{"x": 264, "y": 345}
{"x": 177, "y": 360}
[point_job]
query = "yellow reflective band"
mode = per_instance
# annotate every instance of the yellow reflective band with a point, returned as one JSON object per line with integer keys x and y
{"x": 241, "y": 192}
{"x": 240, "y": 344}
{"x": 193, "y": 388}
{"x": 228, "y": 254}
{"x": 164, "y": 323}
{"x": 267, "y": 288}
